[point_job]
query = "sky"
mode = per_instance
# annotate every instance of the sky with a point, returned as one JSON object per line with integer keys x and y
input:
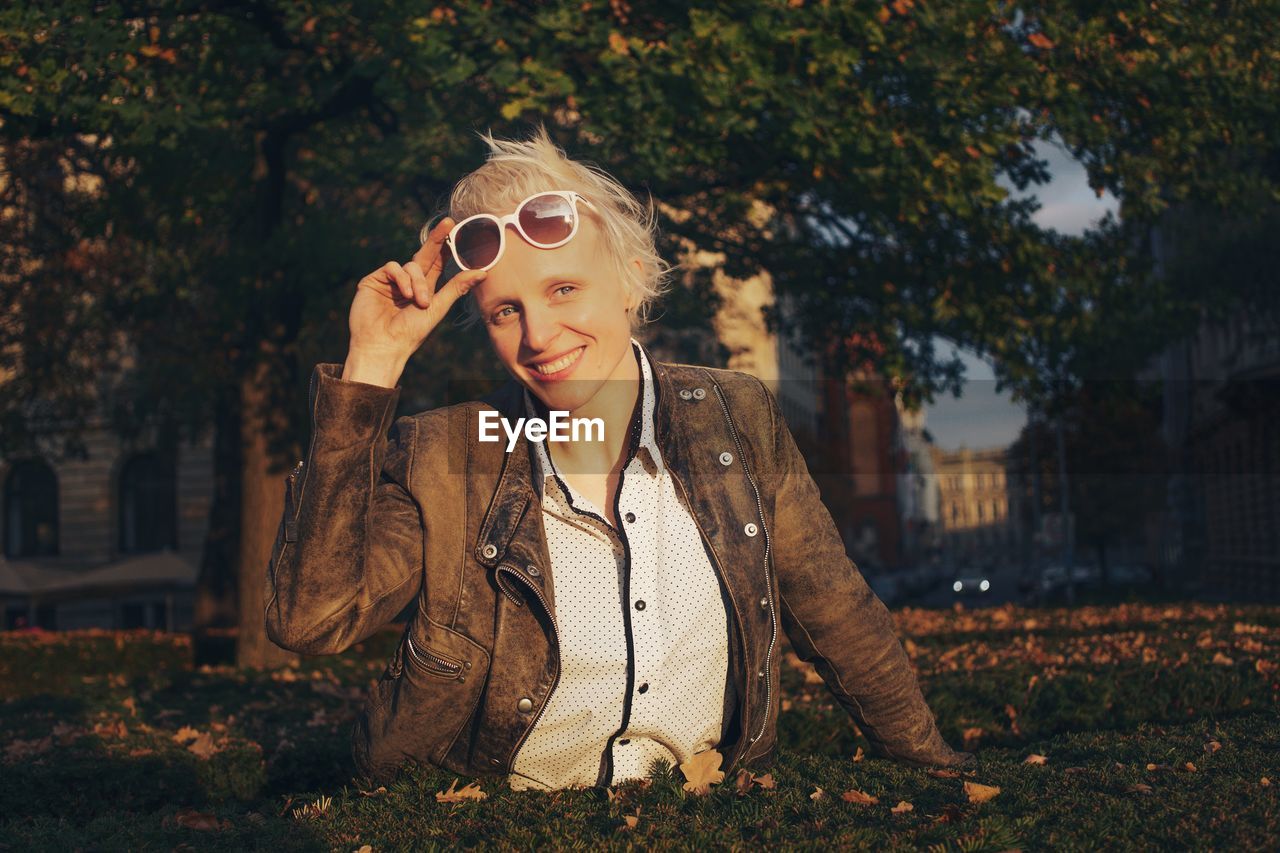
{"x": 980, "y": 417}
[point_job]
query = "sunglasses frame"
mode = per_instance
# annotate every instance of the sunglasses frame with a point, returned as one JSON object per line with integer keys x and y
{"x": 514, "y": 219}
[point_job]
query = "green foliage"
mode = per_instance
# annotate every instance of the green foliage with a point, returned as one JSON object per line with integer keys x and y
{"x": 260, "y": 160}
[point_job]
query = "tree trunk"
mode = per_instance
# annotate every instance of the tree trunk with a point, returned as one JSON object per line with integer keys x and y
{"x": 216, "y": 609}
{"x": 262, "y": 503}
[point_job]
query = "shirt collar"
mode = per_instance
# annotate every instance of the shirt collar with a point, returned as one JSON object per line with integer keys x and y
{"x": 643, "y": 420}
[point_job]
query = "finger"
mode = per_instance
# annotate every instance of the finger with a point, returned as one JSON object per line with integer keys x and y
{"x": 429, "y": 253}
{"x": 421, "y": 288}
{"x": 457, "y": 287}
{"x": 403, "y": 282}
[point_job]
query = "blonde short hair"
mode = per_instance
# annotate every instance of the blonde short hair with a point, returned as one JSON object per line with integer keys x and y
{"x": 516, "y": 169}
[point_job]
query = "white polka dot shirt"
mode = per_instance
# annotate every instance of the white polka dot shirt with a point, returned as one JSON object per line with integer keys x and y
{"x": 627, "y": 697}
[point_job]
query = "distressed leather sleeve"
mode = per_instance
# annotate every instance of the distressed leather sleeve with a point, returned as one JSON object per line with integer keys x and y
{"x": 836, "y": 622}
{"x": 349, "y": 549}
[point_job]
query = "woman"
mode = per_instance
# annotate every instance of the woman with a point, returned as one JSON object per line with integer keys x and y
{"x": 586, "y": 606}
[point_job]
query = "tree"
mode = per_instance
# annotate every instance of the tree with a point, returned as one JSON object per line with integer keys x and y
{"x": 257, "y": 157}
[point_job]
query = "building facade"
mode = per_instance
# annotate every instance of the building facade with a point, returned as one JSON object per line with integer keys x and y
{"x": 978, "y": 529}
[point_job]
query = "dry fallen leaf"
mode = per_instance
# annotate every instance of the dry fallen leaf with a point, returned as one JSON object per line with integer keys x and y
{"x": 1158, "y": 767}
{"x": 1222, "y": 659}
{"x": 1265, "y": 782}
{"x": 902, "y": 807}
{"x": 1035, "y": 758}
{"x": 856, "y": 796}
{"x": 858, "y": 756}
{"x": 1190, "y": 767}
{"x": 766, "y": 781}
{"x": 702, "y": 771}
{"x": 980, "y": 793}
{"x": 132, "y": 705}
{"x": 943, "y": 773}
{"x": 186, "y": 733}
{"x": 971, "y": 736}
{"x": 817, "y": 794}
{"x": 469, "y": 792}
{"x": 632, "y": 819}
{"x": 743, "y": 783}
{"x": 379, "y": 791}
{"x": 1212, "y": 746}
{"x": 203, "y": 745}
{"x": 1141, "y": 788}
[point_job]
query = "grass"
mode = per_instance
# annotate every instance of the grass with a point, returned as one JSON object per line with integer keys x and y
{"x": 1158, "y": 723}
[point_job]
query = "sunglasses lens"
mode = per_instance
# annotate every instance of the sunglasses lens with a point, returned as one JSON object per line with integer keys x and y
{"x": 547, "y": 219}
{"x": 477, "y": 243}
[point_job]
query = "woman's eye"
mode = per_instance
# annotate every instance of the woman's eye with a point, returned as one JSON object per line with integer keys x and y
{"x": 502, "y": 313}
{"x": 564, "y": 287}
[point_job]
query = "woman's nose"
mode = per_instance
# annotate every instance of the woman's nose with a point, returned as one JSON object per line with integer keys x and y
{"x": 540, "y": 328}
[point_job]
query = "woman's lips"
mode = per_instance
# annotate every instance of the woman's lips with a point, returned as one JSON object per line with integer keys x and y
{"x": 572, "y": 360}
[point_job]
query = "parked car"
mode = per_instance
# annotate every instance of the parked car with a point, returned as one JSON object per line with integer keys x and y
{"x": 1126, "y": 574}
{"x": 965, "y": 585}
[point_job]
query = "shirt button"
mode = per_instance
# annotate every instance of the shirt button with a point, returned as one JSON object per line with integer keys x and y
{"x": 525, "y": 705}
{"x": 643, "y": 687}
{"x": 640, "y": 604}
{"x": 630, "y": 517}
{"x": 751, "y": 530}
{"x": 726, "y": 458}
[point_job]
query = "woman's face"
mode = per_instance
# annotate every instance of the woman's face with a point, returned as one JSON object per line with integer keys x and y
{"x": 557, "y": 318}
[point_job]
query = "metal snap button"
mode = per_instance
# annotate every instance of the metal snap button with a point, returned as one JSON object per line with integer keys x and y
{"x": 640, "y": 604}
{"x": 525, "y": 705}
{"x": 684, "y": 394}
{"x": 466, "y": 664}
{"x": 698, "y": 393}
{"x": 726, "y": 458}
{"x": 494, "y": 761}
{"x": 533, "y": 570}
{"x": 630, "y": 517}
{"x": 760, "y": 673}
{"x": 751, "y": 530}
{"x": 764, "y": 602}
{"x": 490, "y": 551}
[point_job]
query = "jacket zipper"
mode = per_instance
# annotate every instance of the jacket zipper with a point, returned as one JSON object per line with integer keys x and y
{"x": 555, "y": 629}
{"x": 768, "y": 583}
{"x": 430, "y": 660}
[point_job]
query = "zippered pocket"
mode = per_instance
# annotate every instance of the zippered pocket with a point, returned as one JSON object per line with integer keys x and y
{"x": 433, "y": 662}
{"x": 291, "y": 503}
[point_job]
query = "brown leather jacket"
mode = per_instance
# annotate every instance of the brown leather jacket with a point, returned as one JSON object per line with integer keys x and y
{"x": 429, "y": 513}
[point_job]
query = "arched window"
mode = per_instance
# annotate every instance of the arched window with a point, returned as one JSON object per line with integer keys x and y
{"x": 147, "y": 500}
{"x": 30, "y": 510}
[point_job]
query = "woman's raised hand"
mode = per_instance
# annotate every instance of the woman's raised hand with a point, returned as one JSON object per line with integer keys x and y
{"x": 397, "y": 307}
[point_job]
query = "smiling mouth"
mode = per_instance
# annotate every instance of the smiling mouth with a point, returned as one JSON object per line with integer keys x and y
{"x": 563, "y": 363}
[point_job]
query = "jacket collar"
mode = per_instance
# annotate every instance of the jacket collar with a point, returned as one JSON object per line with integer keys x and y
{"x": 516, "y": 491}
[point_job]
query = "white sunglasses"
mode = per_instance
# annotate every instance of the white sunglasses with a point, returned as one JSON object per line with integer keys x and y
{"x": 546, "y": 220}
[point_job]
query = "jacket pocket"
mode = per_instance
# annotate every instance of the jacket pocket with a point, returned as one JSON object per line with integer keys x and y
{"x": 423, "y": 701}
{"x": 433, "y": 662}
